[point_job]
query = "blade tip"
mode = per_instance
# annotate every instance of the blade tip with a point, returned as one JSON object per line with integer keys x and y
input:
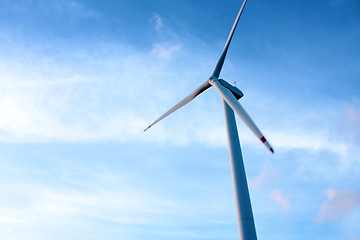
{"x": 272, "y": 150}
{"x": 147, "y": 128}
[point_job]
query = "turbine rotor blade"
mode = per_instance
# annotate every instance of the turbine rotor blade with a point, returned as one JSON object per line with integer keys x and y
{"x": 183, "y": 102}
{"x": 240, "y": 111}
{"x": 221, "y": 60}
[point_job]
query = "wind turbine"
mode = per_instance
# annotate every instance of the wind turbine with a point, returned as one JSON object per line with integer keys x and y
{"x": 230, "y": 96}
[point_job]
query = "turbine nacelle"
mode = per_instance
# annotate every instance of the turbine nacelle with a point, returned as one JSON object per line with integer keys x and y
{"x": 234, "y": 90}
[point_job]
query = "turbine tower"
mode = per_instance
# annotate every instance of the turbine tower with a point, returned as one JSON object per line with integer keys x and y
{"x": 230, "y": 96}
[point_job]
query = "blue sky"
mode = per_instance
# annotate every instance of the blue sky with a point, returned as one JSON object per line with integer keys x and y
{"x": 80, "y": 80}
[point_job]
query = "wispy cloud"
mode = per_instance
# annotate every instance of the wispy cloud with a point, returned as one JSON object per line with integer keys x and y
{"x": 279, "y": 197}
{"x": 55, "y": 207}
{"x": 83, "y": 197}
{"x": 338, "y": 204}
{"x": 81, "y": 93}
{"x": 158, "y": 22}
{"x": 165, "y": 50}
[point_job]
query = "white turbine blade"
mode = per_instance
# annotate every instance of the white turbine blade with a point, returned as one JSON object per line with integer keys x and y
{"x": 221, "y": 60}
{"x": 240, "y": 111}
{"x": 183, "y": 102}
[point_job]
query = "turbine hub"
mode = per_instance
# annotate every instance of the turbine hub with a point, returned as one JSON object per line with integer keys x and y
{"x": 212, "y": 79}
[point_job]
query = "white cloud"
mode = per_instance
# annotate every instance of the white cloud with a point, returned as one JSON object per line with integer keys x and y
{"x": 337, "y": 205}
{"x": 278, "y": 196}
{"x": 165, "y": 50}
{"x": 310, "y": 141}
{"x": 114, "y": 96}
{"x": 81, "y": 94}
{"x": 158, "y": 22}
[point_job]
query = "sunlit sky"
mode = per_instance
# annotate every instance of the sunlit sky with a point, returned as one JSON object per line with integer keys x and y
{"x": 80, "y": 80}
